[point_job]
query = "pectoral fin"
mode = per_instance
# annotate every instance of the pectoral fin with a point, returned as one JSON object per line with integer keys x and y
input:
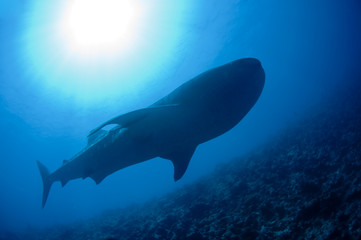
{"x": 180, "y": 159}
{"x": 129, "y": 118}
{"x": 98, "y": 135}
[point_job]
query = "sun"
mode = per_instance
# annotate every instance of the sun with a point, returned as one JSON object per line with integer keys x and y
{"x": 91, "y": 52}
{"x": 98, "y": 26}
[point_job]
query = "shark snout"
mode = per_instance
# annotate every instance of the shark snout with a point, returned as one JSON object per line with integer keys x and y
{"x": 249, "y": 69}
{"x": 253, "y": 62}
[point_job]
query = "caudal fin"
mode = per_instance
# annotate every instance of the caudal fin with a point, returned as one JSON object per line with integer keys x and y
{"x": 46, "y": 182}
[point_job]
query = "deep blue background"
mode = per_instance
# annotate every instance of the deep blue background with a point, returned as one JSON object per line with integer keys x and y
{"x": 307, "y": 48}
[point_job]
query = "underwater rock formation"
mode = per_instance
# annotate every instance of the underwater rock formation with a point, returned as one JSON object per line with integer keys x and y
{"x": 304, "y": 184}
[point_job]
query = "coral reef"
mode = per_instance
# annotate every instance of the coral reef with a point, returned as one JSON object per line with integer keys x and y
{"x": 305, "y": 184}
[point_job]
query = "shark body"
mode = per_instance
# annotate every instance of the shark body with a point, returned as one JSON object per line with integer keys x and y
{"x": 199, "y": 110}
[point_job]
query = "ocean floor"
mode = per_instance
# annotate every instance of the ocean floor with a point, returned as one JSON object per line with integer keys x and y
{"x": 304, "y": 184}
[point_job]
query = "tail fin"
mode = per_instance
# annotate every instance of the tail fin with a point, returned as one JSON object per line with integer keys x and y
{"x": 46, "y": 182}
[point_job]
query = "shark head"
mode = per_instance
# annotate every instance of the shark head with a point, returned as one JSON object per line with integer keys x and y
{"x": 242, "y": 82}
{"x": 248, "y": 72}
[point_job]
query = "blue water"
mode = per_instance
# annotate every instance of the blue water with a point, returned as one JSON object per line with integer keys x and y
{"x": 307, "y": 48}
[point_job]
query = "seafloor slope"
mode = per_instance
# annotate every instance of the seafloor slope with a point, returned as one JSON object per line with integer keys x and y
{"x": 304, "y": 184}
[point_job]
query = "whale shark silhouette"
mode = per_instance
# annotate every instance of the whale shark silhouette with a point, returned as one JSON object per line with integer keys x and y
{"x": 199, "y": 110}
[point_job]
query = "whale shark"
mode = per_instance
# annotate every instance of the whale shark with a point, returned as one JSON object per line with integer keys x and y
{"x": 199, "y": 110}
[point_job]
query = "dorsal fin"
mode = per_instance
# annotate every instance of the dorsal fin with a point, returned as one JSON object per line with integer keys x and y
{"x": 129, "y": 118}
{"x": 180, "y": 159}
{"x": 65, "y": 162}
